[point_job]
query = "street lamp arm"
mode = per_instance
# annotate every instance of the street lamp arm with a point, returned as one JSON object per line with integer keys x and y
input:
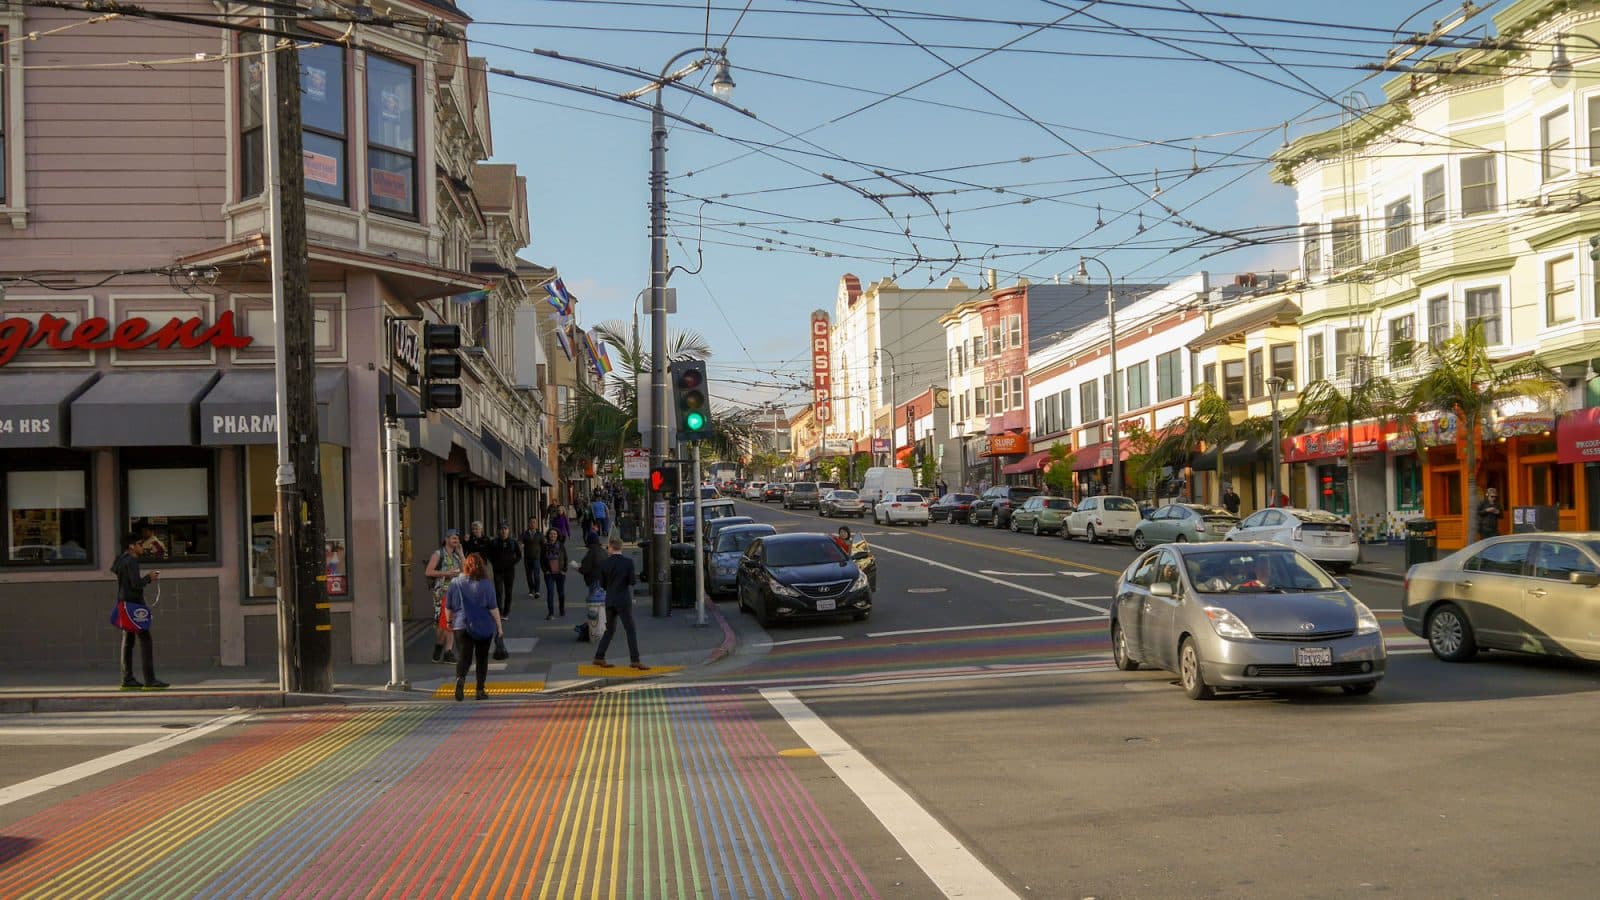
{"x": 668, "y": 78}
{"x": 596, "y": 92}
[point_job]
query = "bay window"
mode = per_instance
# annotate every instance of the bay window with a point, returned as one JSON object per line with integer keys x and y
{"x": 1560, "y": 290}
{"x": 325, "y": 144}
{"x": 391, "y": 136}
{"x": 1016, "y": 393}
{"x": 252, "y": 134}
{"x": 1233, "y": 380}
{"x": 1479, "y": 184}
{"x": 1283, "y": 365}
{"x": 1483, "y": 308}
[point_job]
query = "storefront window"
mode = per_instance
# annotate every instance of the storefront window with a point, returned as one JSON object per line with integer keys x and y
{"x": 168, "y": 502}
{"x": 1407, "y": 482}
{"x": 1332, "y": 486}
{"x": 1550, "y": 484}
{"x": 261, "y": 464}
{"x": 47, "y": 517}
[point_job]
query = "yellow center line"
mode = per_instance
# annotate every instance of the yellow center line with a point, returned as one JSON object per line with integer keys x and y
{"x": 1055, "y": 560}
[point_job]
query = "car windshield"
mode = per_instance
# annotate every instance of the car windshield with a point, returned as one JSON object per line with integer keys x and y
{"x": 804, "y": 553}
{"x": 964, "y": 498}
{"x": 1212, "y": 511}
{"x": 737, "y": 540}
{"x": 1057, "y": 504}
{"x": 805, "y": 488}
{"x": 844, "y": 495}
{"x": 1255, "y": 571}
{"x": 1119, "y": 504}
{"x": 909, "y": 498}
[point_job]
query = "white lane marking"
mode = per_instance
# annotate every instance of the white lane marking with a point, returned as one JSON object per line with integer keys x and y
{"x": 876, "y": 634}
{"x": 991, "y": 579}
{"x": 913, "y": 676}
{"x": 810, "y": 640}
{"x": 944, "y": 859}
{"x": 59, "y": 778}
{"x": 1019, "y": 574}
{"x": 1079, "y": 574}
{"x": 81, "y": 730}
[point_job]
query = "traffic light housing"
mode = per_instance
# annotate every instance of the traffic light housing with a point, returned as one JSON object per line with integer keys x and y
{"x": 664, "y": 481}
{"x": 441, "y": 367}
{"x": 692, "y": 399}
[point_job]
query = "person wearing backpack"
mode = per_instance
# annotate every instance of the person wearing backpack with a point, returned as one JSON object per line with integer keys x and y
{"x": 475, "y": 619}
{"x": 594, "y": 554}
{"x": 130, "y": 590}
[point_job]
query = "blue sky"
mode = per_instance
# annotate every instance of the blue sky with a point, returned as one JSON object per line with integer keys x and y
{"x": 1098, "y": 96}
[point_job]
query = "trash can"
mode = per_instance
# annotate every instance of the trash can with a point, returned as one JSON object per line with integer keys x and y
{"x": 1422, "y": 541}
{"x": 682, "y": 576}
{"x": 629, "y": 528}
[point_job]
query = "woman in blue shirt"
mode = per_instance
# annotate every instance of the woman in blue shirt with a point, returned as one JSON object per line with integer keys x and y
{"x": 475, "y": 619}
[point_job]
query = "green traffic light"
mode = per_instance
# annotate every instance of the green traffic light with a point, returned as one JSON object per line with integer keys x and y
{"x": 694, "y": 421}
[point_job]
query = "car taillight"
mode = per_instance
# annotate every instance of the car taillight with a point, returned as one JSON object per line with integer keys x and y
{"x": 1297, "y": 534}
{"x": 894, "y": 506}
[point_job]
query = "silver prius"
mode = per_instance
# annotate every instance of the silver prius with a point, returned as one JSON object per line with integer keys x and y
{"x": 1244, "y": 616}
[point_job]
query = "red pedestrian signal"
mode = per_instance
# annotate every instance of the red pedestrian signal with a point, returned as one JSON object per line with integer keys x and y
{"x": 664, "y": 480}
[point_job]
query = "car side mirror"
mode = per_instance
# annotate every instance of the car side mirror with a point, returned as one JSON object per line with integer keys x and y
{"x": 1161, "y": 589}
{"x": 861, "y": 554}
{"x": 1587, "y": 579}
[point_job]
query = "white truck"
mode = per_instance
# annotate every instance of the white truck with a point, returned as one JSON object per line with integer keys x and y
{"x": 881, "y": 480}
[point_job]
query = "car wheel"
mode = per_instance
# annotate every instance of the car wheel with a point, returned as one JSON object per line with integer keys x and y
{"x": 1450, "y": 635}
{"x": 1014, "y": 528}
{"x": 1359, "y": 690}
{"x": 1119, "y": 649}
{"x": 1339, "y": 568}
{"x": 1088, "y": 532}
{"x": 861, "y": 616}
{"x": 926, "y": 524}
{"x": 1189, "y": 674}
{"x": 1139, "y": 543}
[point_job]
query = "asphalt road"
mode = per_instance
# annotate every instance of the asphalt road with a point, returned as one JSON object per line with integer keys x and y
{"x": 969, "y": 739}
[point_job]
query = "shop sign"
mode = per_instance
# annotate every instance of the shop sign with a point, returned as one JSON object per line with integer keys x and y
{"x": 1010, "y": 444}
{"x": 338, "y": 585}
{"x": 821, "y": 370}
{"x": 404, "y": 346}
{"x": 880, "y": 445}
{"x": 1579, "y": 437}
{"x": 1524, "y": 425}
{"x": 97, "y": 333}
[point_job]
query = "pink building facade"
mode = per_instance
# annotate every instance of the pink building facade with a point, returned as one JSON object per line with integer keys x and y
{"x": 133, "y": 192}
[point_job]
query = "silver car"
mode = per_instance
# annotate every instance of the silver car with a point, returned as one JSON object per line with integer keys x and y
{"x": 1533, "y": 593}
{"x": 1249, "y": 616}
{"x": 722, "y": 569}
{"x": 841, "y": 502}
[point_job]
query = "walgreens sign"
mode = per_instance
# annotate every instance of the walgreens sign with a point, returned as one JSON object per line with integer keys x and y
{"x": 18, "y": 334}
{"x": 821, "y": 370}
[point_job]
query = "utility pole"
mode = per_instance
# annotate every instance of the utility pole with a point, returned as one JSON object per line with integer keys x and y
{"x": 304, "y": 622}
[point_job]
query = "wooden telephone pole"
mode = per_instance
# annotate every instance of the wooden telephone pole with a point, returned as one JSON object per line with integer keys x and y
{"x": 305, "y": 623}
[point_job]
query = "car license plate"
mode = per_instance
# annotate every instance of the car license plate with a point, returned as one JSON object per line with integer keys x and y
{"x": 825, "y": 605}
{"x": 1313, "y": 656}
{"x": 1219, "y": 529}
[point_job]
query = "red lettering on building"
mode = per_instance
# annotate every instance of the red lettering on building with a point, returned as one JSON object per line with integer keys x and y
{"x": 821, "y": 371}
{"x": 18, "y": 334}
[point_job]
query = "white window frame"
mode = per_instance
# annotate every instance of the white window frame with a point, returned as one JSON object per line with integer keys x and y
{"x": 1389, "y": 228}
{"x": 1498, "y": 194}
{"x": 1017, "y": 397}
{"x": 1389, "y": 341}
{"x": 1545, "y": 262}
{"x": 14, "y": 206}
{"x": 1014, "y": 323}
{"x": 1321, "y": 358}
{"x": 1563, "y": 152}
{"x": 1443, "y": 169}
{"x": 1449, "y": 318}
{"x": 1504, "y": 284}
{"x": 1591, "y": 126}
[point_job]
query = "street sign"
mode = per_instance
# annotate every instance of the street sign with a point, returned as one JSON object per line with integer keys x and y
{"x": 635, "y": 463}
{"x": 659, "y": 517}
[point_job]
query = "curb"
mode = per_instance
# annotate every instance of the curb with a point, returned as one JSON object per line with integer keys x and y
{"x": 166, "y": 700}
{"x": 725, "y": 649}
{"x": 1382, "y": 574}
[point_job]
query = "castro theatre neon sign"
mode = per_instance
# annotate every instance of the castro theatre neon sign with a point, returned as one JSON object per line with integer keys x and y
{"x": 18, "y": 334}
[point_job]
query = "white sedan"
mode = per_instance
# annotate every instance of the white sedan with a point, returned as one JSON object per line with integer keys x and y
{"x": 1102, "y": 518}
{"x": 752, "y": 491}
{"x": 902, "y": 507}
{"x": 1323, "y": 536}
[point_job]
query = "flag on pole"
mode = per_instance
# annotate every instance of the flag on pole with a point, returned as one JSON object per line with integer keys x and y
{"x": 563, "y": 343}
{"x": 605, "y": 361}
{"x": 560, "y": 297}
{"x": 589, "y": 343}
{"x": 470, "y": 298}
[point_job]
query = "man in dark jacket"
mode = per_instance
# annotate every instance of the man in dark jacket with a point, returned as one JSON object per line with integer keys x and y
{"x": 616, "y": 579}
{"x": 504, "y": 552}
{"x": 475, "y": 541}
{"x": 1230, "y": 500}
{"x": 1489, "y": 513}
{"x": 531, "y": 538}
{"x": 130, "y": 588}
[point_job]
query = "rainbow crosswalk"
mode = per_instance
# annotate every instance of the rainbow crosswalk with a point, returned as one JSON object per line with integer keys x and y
{"x": 641, "y": 794}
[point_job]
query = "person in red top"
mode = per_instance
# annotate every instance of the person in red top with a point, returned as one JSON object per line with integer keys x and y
{"x": 844, "y": 539}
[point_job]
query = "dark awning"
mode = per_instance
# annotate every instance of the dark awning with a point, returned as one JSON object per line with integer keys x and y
{"x": 540, "y": 470}
{"x": 242, "y": 409}
{"x": 480, "y": 461}
{"x": 1207, "y": 461}
{"x": 1242, "y": 452}
{"x": 33, "y": 407}
{"x": 1033, "y": 462}
{"x": 140, "y": 409}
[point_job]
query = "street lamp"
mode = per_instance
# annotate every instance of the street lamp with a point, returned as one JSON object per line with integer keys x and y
{"x": 1116, "y": 377}
{"x": 893, "y": 460}
{"x": 1276, "y": 385}
{"x": 961, "y": 442}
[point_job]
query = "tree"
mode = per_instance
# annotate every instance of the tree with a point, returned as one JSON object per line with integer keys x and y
{"x": 1464, "y": 382}
{"x": 1058, "y": 470}
{"x": 928, "y": 471}
{"x": 766, "y": 461}
{"x": 1370, "y": 397}
{"x": 1146, "y": 457}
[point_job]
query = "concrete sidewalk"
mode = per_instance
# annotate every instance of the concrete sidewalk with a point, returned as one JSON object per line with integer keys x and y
{"x": 545, "y": 657}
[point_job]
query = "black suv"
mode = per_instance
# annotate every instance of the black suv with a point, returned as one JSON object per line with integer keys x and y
{"x": 995, "y": 506}
{"x": 802, "y": 494}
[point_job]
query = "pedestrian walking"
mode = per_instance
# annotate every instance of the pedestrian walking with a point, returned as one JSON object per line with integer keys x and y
{"x": 943, "y": 488}
{"x": 553, "y": 561}
{"x": 475, "y": 620}
{"x": 505, "y": 552}
{"x": 561, "y": 523}
{"x": 600, "y": 513}
{"x": 445, "y": 563}
{"x": 530, "y": 539}
{"x": 594, "y": 553}
{"x": 1489, "y": 513}
{"x": 475, "y": 541}
{"x": 135, "y": 626}
{"x": 616, "y": 579}
{"x": 1230, "y": 500}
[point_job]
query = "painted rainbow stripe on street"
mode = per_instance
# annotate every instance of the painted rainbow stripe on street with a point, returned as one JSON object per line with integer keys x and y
{"x": 640, "y": 794}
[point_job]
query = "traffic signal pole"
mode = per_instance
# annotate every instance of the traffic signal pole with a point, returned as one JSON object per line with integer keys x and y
{"x": 660, "y": 600}
{"x": 699, "y": 546}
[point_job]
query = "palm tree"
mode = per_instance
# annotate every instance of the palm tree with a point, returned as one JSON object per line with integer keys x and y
{"x": 1375, "y": 397}
{"x": 1464, "y": 382}
{"x": 1209, "y": 422}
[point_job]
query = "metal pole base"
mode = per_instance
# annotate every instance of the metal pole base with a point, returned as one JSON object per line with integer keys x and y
{"x": 398, "y": 686}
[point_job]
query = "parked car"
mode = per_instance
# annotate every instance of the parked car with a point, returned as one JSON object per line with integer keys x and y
{"x": 1183, "y": 522}
{"x": 825, "y": 486}
{"x": 995, "y": 506}
{"x": 842, "y": 502}
{"x": 1041, "y": 515}
{"x": 802, "y": 495}
{"x": 801, "y": 575}
{"x": 884, "y": 481}
{"x": 709, "y": 509}
{"x": 753, "y": 490}
{"x": 714, "y": 527}
{"x": 773, "y": 492}
{"x": 1323, "y": 536}
{"x": 952, "y": 508}
{"x": 1534, "y": 593}
{"x": 1252, "y": 616}
{"x": 1103, "y": 518}
{"x": 926, "y": 492}
{"x": 902, "y": 507}
{"x": 722, "y": 569}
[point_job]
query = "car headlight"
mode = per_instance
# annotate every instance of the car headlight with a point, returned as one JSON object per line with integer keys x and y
{"x": 783, "y": 590}
{"x": 860, "y": 584}
{"x": 1227, "y": 624}
{"x": 1366, "y": 622}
